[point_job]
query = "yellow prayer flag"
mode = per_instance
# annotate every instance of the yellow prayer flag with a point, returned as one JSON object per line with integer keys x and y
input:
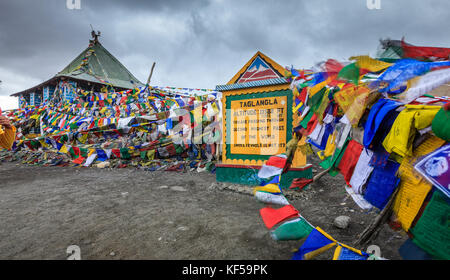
{"x": 373, "y": 65}
{"x": 399, "y": 138}
{"x": 315, "y": 89}
{"x": 295, "y": 91}
{"x": 296, "y": 108}
{"x": 345, "y": 97}
{"x": 42, "y": 141}
{"x": 83, "y": 138}
{"x": 64, "y": 149}
{"x": 91, "y": 151}
{"x": 214, "y": 106}
{"x": 413, "y": 188}
{"x": 271, "y": 188}
{"x": 409, "y": 200}
{"x": 331, "y": 145}
{"x": 151, "y": 154}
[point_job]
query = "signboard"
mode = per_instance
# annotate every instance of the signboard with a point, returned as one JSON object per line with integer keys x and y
{"x": 258, "y": 122}
{"x": 258, "y": 126}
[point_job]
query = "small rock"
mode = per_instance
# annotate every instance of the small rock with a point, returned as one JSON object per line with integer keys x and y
{"x": 191, "y": 183}
{"x": 112, "y": 254}
{"x": 178, "y": 189}
{"x": 103, "y": 164}
{"x": 213, "y": 186}
{"x": 87, "y": 241}
{"x": 163, "y": 187}
{"x": 342, "y": 222}
{"x": 182, "y": 228}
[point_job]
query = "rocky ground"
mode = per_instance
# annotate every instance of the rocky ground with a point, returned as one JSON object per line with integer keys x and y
{"x": 134, "y": 214}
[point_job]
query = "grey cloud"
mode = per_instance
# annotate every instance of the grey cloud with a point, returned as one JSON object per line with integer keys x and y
{"x": 204, "y": 43}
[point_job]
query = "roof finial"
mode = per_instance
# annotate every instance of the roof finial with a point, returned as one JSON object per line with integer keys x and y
{"x": 94, "y": 35}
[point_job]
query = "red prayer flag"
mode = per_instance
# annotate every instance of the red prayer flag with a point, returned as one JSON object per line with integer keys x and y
{"x": 79, "y": 160}
{"x": 349, "y": 160}
{"x": 116, "y": 152}
{"x": 432, "y": 53}
{"x": 302, "y": 95}
{"x": 76, "y": 151}
{"x": 276, "y": 161}
{"x": 312, "y": 124}
{"x": 300, "y": 183}
{"x": 271, "y": 216}
{"x": 333, "y": 66}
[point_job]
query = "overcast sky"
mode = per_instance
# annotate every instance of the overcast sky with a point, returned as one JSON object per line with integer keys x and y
{"x": 202, "y": 43}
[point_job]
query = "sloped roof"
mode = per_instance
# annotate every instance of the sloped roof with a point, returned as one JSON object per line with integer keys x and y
{"x": 391, "y": 53}
{"x": 97, "y": 65}
{"x": 390, "y": 50}
{"x": 100, "y": 67}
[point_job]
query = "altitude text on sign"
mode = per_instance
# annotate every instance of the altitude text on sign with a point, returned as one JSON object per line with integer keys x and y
{"x": 258, "y": 126}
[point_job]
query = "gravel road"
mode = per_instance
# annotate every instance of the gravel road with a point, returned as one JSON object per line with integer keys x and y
{"x": 133, "y": 214}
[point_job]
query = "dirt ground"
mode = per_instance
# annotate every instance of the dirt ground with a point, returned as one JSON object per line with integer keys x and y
{"x": 133, "y": 214}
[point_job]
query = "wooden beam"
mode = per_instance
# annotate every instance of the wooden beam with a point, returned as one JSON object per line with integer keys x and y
{"x": 150, "y": 75}
{"x": 374, "y": 228}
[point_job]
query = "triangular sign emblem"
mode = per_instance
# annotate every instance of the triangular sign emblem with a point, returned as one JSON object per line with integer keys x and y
{"x": 257, "y": 71}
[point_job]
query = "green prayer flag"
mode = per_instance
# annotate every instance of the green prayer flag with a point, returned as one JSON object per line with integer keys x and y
{"x": 334, "y": 160}
{"x": 315, "y": 100}
{"x": 83, "y": 152}
{"x": 179, "y": 149}
{"x": 64, "y": 138}
{"x": 441, "y": 124}
{"x": 292, "y": 230}
{"x": 124, "y": 153}
{"x": 143, "y": 154}
{"x": 72, "y": 152}
{"x": 432, "y": 231}
{"x": 350, "y": 73}
{"x": 306, "y": 119}
{"x": 35, "y": 144}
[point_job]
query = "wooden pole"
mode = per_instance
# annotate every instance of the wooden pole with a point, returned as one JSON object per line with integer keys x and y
{"x": 321, "y": 174}
{"x": 150, "y": 75}
{"x": 373, "y": 229}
